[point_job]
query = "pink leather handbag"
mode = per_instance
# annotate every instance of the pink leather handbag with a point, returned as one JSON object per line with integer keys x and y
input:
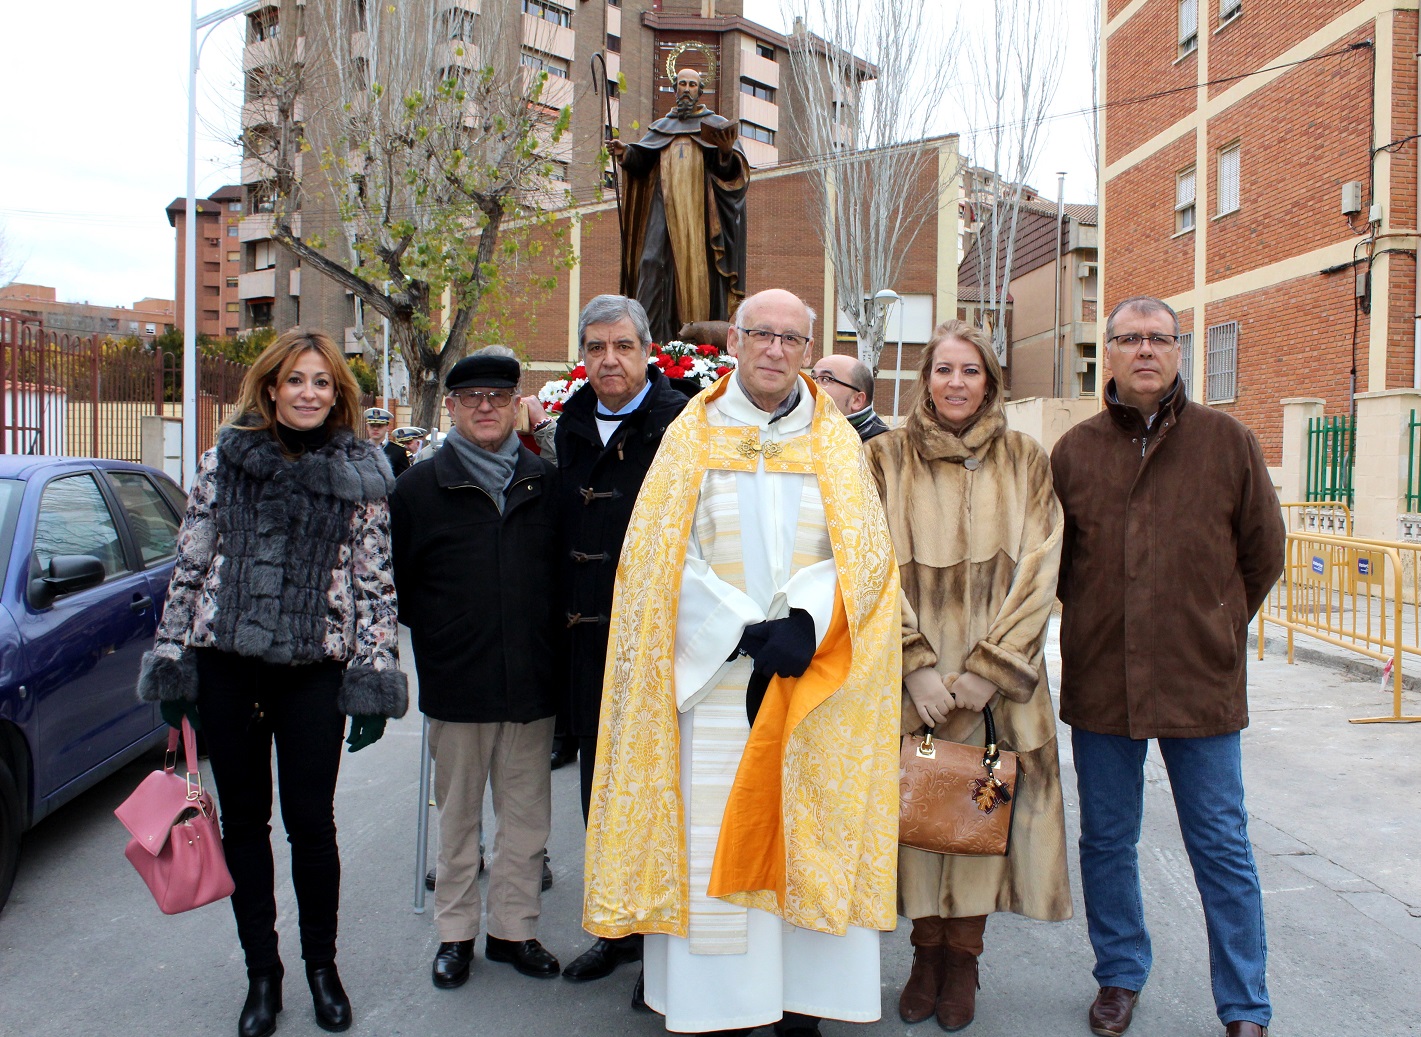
{"x": 176, "y": 847}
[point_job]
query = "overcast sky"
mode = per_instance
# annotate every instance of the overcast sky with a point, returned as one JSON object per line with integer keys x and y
{"x": 93, "y": 139}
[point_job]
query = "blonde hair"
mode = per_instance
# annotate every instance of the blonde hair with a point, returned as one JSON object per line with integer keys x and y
{"x": 255, "y": 407}
{"x": 975, "y": 337}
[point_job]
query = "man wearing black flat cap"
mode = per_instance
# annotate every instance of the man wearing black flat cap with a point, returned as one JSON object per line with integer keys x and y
{"x": 474, "y": 536}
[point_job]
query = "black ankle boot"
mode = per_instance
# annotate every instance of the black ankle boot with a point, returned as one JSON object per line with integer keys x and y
{"x": 332, "y": 1006}
{"x": 258, "y": 1018}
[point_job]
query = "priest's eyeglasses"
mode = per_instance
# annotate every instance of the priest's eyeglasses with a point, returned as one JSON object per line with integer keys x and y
{"x": 765, "y": 337}
{"x": 1158, "y": 343}
{"x": 472, "y": 398}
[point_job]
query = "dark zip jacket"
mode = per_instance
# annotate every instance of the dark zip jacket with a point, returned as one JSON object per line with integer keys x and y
{"x": 481, "y": 591}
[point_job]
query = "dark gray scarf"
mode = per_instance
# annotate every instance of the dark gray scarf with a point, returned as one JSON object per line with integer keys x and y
{"x": 491, "y": 470}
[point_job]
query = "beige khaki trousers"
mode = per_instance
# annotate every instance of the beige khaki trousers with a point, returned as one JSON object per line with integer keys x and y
{"x": 514, "y": 759}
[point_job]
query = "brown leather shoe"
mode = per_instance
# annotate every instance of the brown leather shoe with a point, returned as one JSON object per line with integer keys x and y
{"x": 919, "y": 998}
{"x": 1111, "y": 1010}
{"x": 1245, "y": 1029}
{"x": 957, "y": 998}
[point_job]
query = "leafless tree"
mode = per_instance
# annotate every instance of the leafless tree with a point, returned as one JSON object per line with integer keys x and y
{"x": 10, "y": 263}
{"x": 1016, "y": 60}
{"x": 871, "y": 92}
{"x": 435, "y": 148}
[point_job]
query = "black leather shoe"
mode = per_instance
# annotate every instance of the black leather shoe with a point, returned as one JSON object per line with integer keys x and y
{"x": 429, "y": 880}
{"x": 562, "y": 757}
{"x": 639, "y": 993}
{"x": 451, "y": 963}
{"x": 547, "y": 874}
{"x": 599, "y": 960}
{"x": 332, "y": 1006}
{"x": 527, "y": 956}
{"x": 258, "y": 1018}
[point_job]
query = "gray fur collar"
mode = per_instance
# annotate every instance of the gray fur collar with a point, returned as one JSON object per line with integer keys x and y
{"x": 346, "y": 468}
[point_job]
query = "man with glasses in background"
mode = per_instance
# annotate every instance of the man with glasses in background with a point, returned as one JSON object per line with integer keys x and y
{"x": 478, "y": 571}
{"x": 1173, "y": 539}
{"x": 744, "y": 810}
{"x": 849, "y": 383}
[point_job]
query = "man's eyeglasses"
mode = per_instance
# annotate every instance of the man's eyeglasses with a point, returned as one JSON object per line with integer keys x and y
{"x": 1158, "y": 343}
{"x": 764, "y": 337}
{"x": 474, "y": 397}
{"x": 825, "y": 378}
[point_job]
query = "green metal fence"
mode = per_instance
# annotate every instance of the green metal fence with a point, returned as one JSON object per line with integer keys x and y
{"x": 1413, "y": 457}
{"x": 1332, "y": 444}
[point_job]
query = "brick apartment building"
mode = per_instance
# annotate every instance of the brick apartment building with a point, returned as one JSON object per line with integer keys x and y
{"x": 1259, "y": 172}
{"x": 145, "y": 319}
{"x": 1043, "y": 240}
{"x": 219, "y": 259}
{"x": 747, "y": 74}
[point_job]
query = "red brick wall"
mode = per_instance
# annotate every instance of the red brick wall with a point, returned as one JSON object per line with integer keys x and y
{"x": 1143, "y": 257}
{"x": 1139, "y": 61}
{"x": 1265, "y": 29}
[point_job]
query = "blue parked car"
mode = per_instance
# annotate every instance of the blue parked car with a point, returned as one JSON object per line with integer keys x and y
{"x": 86, "y": 550}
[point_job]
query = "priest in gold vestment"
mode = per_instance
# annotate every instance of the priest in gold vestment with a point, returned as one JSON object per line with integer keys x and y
{"x": 683, "y": 215}
{"x": 745, "y": 800}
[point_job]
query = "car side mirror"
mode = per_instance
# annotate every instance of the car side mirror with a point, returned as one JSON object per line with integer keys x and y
{"x": 67, "y": 574}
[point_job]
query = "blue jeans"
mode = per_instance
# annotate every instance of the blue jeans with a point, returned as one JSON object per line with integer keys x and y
{"x": 1206, "y": 776}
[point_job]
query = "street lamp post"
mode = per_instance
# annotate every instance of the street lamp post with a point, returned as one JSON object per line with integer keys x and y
{"x": 208, "y": 21}
{"x": 886, "y": 297}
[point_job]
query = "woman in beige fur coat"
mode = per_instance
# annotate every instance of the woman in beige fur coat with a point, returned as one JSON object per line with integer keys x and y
{"x": 977, "y": 533}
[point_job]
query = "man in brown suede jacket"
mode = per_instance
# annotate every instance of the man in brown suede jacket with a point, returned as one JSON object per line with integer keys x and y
{"x": 1173, "y": 538}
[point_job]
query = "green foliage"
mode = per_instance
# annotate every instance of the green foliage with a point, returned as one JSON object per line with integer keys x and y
{"x": 365, "y": 375}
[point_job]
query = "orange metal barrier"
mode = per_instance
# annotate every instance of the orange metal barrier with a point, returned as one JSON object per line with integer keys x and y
{"x": 1351, "y": 593}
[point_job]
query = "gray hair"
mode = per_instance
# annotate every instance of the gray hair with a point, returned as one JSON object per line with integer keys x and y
{"x": 744, "y": 304}
{"x": 1140, "y": 304}
{"x": 496, "y": 351}
{"x": 608, "y": 309}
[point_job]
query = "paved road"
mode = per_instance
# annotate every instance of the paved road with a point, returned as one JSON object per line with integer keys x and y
{"x": 83, "y": 951}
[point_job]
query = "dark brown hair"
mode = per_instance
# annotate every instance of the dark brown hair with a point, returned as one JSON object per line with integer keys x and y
{"x": 255, "y": 407}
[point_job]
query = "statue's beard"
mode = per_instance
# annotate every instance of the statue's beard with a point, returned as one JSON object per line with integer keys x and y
{"x": 685, "y": 104}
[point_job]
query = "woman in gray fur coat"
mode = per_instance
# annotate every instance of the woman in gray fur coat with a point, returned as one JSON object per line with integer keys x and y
{"x": 280, "y": 623}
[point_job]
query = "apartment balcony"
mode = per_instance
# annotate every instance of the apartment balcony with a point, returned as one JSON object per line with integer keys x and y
{"x": 1083, "y": 332}
{"x": 759, "y": 111}
{"x": 255, "y": 170}
{"x": 456, "y": 53}
{"x": 614, "y": 64}
{"x": 752, "y": 66}
{"x": 257, "y": 284}
{"x": 294, "y": 282}
{"x": 557, "y": 91}
{"x": 257, "y": 226}
{"x": 760, "y": 154}
{"x": 272, "y": 53}
{"x": 262, "y": 112}
{"x": 360, "y": 45}
{"x": 543, "y": 35}
{"x": 614, "y": 20}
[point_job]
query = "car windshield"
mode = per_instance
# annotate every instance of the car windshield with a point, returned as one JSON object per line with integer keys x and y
{"x": 11, "y": 491}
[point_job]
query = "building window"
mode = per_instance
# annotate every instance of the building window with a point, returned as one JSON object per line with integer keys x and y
{"x": 1229, "y": 10}
{"x": 548, "y": 11}
{"x": 765, "y": 51}
{"x": 543, "y": 63}
{"x": 360, "y": 15}
{"x": 231, "y": 282}
{"x": 1228, "y": 179}
{"x": 232, "y": 231}
{"x": 234, "y": 206}
{"x": 232, "y": 307}
{"x": 260, "y": 313}
{"x": 263, "y": 255}
{"x": 1184, "y": 201}
{"x": 1188, "y": 26}
{"x": 1186, "y": 362}
{"x": 760, "y": 90}
{"x": 459, "y": 24}
{"x": 231, "y": 332}
{"x": 754, "y": 132}
{"x": 234, "y": 257}
{"x": 614, "y": 3}
{"x": 264, "y": 24}
{"x": 614, "y": 88}
{"x": 1222, "y": 362}
{"x": 614, "y": 44}
{"x": 558, "y": 172}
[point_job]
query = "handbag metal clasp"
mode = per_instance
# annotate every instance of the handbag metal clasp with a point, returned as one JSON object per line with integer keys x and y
{"x": 194, "y": 794}
{"x": 926, "y": 749}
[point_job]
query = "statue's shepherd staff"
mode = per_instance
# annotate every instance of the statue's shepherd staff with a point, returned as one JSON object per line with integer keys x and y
{"x": 599, "y": 86}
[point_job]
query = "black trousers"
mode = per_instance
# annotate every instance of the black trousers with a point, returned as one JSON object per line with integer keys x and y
{"x": 586, "y": 760}
{"x": 245, "y": 705}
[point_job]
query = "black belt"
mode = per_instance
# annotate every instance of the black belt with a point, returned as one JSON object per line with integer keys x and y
{"x": 576, "y": 618}
{"x": 581, "y": 556}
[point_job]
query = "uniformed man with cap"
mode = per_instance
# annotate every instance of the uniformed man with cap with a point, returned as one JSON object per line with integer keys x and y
{"x": 401, "y": 443}
{"x": 474, "y": 536}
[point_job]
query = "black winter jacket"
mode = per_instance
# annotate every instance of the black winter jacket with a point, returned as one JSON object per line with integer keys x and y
{"x": 599, "y": 486}
{"x": 480, "y": 591}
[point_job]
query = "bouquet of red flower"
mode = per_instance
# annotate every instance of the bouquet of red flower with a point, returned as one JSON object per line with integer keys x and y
{"x": 702, "y": 364}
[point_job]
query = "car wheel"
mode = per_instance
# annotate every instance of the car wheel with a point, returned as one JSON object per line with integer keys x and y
{"x": 10, "y": 825}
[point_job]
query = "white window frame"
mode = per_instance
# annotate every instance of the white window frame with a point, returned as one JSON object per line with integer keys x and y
{"x": 1221, "y": 367}
{"x": 1188, "y": 27}
{"x": 1229, "y": 162}
{"x": 1185, "y": 199}
{"x": 1186, "y": 362}
{"x": 1229, "y": 10}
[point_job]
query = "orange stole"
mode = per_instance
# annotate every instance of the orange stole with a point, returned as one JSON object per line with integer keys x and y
{"x": 750, "y": 853}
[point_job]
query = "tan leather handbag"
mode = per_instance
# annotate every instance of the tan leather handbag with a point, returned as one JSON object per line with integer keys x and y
{"x": 955, "y": 798}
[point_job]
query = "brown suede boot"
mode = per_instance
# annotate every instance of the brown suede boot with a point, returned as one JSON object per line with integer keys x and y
{"x": 919, "y": 998}
{"x": 957, "y": 997}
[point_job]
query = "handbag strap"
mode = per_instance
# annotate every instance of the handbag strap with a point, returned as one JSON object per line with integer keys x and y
{"x": 990, "y": 753}
{"x": 170, "y": 758}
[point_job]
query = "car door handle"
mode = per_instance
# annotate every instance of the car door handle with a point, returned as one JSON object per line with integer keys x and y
{"x": 141, "y": 604}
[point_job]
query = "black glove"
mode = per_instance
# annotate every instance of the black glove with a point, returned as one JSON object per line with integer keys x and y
{"x": 780, "y": 647}
{"x": 173, "y": 711}
{"x": 364, "y": 730}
